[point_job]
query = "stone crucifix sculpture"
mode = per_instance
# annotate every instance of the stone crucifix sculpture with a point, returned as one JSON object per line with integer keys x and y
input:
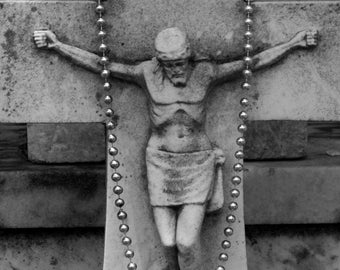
{"x": 183, "y": 167}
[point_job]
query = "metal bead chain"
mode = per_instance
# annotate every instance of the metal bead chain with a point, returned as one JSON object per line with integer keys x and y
{"x": 240, "y": 141}
{"x": 112, "y": 150}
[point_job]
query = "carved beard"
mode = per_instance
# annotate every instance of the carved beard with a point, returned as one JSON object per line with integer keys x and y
{"x": 180, "y": 81}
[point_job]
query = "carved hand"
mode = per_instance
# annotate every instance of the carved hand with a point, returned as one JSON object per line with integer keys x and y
{"x": 45, "y": 39}
{"x": 306, "y": 38}
{"x": 220, "y": 157}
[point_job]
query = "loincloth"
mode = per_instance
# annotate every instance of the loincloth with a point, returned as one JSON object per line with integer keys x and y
{"x": 185, "y": 178}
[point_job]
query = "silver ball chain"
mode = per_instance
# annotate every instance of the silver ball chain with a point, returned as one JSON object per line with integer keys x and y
{"x": 113, "y": 151}
{"x": 111, "y": 138}
{"x": 236, "y": 180}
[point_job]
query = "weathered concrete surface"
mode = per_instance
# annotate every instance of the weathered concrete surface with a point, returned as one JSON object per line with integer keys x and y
{"x": 51, "y": 249}
{"x": 268, "y": 248}
{"x": 42, "y": 87}
{"x": 293, "y": 247}
{"x": 275, "y": 193}
{"x": 43, "y": 196}
{"x": 66, "y": 143}
{"x": 329, "y": 130}
{"x": 63, "y": 196}
{"x": 35, "y": 1}
{"x": 13, "y": 141}
{"x": 51, "y": 98}
{"x": 38, "y": 85}
{"x": 305, "y": 86}
{"x": 291, "y": 192}
{"x": 55, "y": 200}
{"x": 295, "y": 192}
{"x": 275, "y": 140}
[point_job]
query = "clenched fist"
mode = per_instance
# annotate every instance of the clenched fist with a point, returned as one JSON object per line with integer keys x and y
{"x": 45, "y": 39}
{"x": 306, "y": 38}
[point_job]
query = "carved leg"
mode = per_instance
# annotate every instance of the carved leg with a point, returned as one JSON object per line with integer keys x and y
{"x": 188, "y": 234}
{"x": 165, "y": 219}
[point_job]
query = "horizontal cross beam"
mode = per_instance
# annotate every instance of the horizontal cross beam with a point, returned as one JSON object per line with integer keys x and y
{"x": 39, "y": 86}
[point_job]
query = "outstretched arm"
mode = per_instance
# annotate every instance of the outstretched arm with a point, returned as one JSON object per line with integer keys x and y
{"x": 90, "y": 61}
{"x": 303, "y": 39}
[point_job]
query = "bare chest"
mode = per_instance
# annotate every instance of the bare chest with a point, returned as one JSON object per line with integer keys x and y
{"x": 165, "y": 93}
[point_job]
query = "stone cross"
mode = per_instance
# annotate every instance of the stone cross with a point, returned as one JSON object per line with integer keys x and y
{"x": 141, "y": 219}
{"x": 180, "y": 158}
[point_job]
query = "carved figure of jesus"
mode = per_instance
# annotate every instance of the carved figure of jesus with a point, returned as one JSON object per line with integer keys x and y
{"x": 183, "y": 166}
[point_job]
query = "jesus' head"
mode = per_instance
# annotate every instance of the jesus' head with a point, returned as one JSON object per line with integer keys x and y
{"x": 173, "y": 52}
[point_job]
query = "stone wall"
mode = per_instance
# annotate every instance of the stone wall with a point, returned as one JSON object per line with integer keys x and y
{"x": 37, "y": 86}
{"x": 268, "y": 248}
{"x": 304, "y": 86}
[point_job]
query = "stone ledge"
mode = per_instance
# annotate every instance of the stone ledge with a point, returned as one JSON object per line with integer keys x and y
{"x": 85, "y": 142}
{"x": 52, "y": 196}
{"x": 37, "y": 1}
{"x": 66, "y": 143}
{"x": 300, "y": 191}
{"x": 268, "y": 247}
{"x": 275, "y": 139}
{"x": 75, "y": 249}
{"x": 314, "y": 247}
{"x": 292, "y": 192}
{"x": 281, "y": 192}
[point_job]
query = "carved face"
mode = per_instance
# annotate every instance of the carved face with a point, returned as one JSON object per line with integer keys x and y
{"x": 177, "y": 71}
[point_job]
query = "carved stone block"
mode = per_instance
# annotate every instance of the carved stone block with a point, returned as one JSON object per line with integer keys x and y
{"x": 61, "y": 143}
{"x": 276, "y": 140}
{"x": 79, "y": 249}
{"x": 269, "y": 247}
{"x": 66, "y": 143}
{"x": 77, "y": 193}
{"x": 293, "y": 247}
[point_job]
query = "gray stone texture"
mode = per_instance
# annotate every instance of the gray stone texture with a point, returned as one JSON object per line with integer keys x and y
{"x": 304, "y": 86}
{"x": 13, "y": 141}
{"x": 66, "y": 143}
{"x": 329, "y": 130}
{"x": 37, "y": 85}
{"x": 293, "y": 247}
{"x": 63, "y": 196}
{"x": 293, "y": 192}
{"x": 275, "y": 140}
{"x": 51, "y": 249}
{"x": 268, "y": 248}
{"x": 47, "y": 196}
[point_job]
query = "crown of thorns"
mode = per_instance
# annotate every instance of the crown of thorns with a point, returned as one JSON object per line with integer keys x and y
{"x": 172, "y": 44}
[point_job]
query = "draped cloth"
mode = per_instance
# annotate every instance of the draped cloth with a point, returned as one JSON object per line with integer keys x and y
{"x": 185, "y": 178}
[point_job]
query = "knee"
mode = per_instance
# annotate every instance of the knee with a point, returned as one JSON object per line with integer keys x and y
{"x": 184, "y": 249}
{"x": 168, "y": 241}
{"x": 186, "y": 246}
